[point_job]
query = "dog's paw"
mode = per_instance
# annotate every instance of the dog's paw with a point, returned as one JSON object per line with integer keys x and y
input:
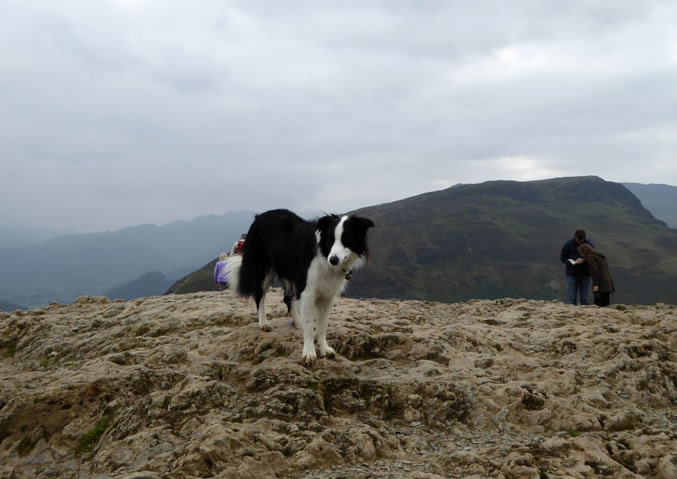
{"x": 328, "y": 352}
{"x": 309, "y": 356}
{"x": 265, "y": 327}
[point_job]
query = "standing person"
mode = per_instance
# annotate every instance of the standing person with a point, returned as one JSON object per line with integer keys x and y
{"x": 578, "y": 274}
{"x": 220, "y": 277}
{"x": 238, "y": 245}
{"x": 602, "y": 282}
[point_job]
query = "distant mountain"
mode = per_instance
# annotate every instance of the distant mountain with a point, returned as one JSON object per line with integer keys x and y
{"x": 661, "y": 200}
{"x": 149, "y": 284}
{"x": 199, "y": 280}
{"x": 503, "y": 239}
{"x": 494, "y": 239}
{"x": 8, "y": 306}
{"x": 63, "y": 268}
{"x": 19, "y": 236}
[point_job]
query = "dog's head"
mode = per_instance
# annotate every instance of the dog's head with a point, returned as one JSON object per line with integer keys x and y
{"x": 343, "y": 240}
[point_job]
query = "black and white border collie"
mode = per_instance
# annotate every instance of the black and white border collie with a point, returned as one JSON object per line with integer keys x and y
{"x": 312, "y": 260}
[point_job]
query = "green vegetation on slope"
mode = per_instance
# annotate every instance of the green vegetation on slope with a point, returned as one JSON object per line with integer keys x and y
{"x": 503, "y": 239}
{"x": 200, "y": 280}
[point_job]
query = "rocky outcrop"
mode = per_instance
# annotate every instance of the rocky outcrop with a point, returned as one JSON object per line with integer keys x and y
{"x": 188, "y": 386}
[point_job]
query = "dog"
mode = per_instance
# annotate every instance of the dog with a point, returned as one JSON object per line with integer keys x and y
{"x": 312, "y": 260}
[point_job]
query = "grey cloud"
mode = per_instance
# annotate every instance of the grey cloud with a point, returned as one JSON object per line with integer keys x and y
{"x": 121, "y": 112}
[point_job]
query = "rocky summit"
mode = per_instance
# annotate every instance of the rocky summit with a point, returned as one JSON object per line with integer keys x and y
{"x": 187, "y": 386}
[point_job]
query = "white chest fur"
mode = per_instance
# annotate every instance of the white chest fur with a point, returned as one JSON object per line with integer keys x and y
{"x": 324, "y": 281}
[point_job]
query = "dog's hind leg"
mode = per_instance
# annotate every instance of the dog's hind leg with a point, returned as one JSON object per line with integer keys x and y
{"x": 291, "y": 301}
{"x": 288, "y": 298}
{"x": 323, "y": 307}
{"x": 296, "y": 313}
{"x": 260, "y": 296}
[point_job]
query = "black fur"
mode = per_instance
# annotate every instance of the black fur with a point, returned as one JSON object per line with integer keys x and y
{"x": 281, "y": 244}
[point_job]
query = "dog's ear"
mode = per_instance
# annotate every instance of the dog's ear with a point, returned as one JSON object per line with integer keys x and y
{"x": 365, "y": 222}
{"x": 325, "y": 223}
{"x": 325, "y": 233}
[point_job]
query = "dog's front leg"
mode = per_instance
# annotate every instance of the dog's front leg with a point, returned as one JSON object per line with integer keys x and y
{"x": 323, "y": 308}
{"x": 307, "y": 314}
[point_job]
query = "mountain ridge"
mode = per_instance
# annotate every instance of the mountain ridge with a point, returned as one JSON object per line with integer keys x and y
{"x": 502, "y": 239}
{"x": 660, "y": 199}
{"x": 69, "y": 266}
{"x": 66, "y": 267}
{"x": 153, "y": 283}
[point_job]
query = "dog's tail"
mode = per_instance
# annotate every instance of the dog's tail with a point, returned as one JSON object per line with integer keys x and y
{"x": 233, "y": 267}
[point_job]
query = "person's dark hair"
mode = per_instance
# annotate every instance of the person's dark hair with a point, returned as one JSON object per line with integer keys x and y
{"x": 584, "y": 250}
{"x": 579, "y": 234}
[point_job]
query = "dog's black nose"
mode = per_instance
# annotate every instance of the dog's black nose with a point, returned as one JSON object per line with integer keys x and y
{"x": 334, "y": 260}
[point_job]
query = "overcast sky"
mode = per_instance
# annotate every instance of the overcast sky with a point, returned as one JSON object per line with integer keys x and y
{"x": 122, "y": 112}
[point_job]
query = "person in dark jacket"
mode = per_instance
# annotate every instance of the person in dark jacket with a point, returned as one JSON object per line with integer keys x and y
{"x": 578, "y": 274}
{"x": 602, "y": 282}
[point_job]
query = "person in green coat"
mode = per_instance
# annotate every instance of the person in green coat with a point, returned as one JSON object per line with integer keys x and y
{"x": 602, "y": 282}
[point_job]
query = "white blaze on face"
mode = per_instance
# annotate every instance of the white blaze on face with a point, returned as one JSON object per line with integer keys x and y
{"x": 339, "y": 253}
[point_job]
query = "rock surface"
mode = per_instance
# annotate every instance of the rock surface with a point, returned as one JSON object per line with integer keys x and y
{"x": 188, "y": 386}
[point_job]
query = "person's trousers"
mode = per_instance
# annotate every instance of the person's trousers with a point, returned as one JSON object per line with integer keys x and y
{"x": 579, "y": 287}
{"x": 602, "y": 299}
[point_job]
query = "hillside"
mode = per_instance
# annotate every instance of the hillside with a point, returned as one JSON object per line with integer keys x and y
{"x": 187, "y": 386}
{"x": 199, "y": 280}
{"x": 503, "y": 239}
{"x": 149, "y": 284}
{"x": 442, "y": 246}
{"x": 661, "y": 200}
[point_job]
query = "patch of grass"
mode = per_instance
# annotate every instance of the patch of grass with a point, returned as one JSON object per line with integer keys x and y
{"x": 9, "y": 351}
{"x": 574, "y": 433}
{"x": 89, "y": 440}
{"x": 25, "y": 446}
